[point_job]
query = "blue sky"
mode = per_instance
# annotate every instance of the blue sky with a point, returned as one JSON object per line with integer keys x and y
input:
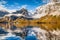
{"x": 18, "y": 4}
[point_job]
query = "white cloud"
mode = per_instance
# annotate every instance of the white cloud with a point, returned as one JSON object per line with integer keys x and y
{"x": 2, "y": 2}
{"x": 11, "y": 8}
{"x": 2, "y": 7}
{"x": 35, "y": 1}
{"x": 46, "y": 1}
{"x": 24, "y": 6}
{"x": 17, "y": 7}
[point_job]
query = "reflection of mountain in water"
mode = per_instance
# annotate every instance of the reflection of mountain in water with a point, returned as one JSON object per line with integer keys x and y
{"x": 33, "y": 33}
{"x": 2, "y": 31}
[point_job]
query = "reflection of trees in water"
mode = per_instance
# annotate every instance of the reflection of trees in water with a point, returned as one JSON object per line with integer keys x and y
{"x": 46, "y": 22}
{"x": 49, "y": 35}
{"x": 6, "y": 26}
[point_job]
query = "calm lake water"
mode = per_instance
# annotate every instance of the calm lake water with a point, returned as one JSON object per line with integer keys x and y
{"x": 11, "y": 32}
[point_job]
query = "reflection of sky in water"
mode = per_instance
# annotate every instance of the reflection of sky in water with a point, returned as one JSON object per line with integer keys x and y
{"x": 11, "y": 36}
{"x": 31, "y": 34}
{"x": 26, "y": 33}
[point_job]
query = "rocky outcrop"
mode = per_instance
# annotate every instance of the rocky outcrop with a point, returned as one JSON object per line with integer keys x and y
{"x": 52, "y": 8}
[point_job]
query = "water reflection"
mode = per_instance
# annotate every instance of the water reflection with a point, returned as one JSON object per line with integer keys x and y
{"x": 44, "y": 25}
{"x": 25, "y": 31}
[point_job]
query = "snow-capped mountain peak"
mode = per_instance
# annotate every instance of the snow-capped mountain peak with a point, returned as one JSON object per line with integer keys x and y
{"x": 51, "y": 8}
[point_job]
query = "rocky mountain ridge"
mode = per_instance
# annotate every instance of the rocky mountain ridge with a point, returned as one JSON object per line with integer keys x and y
{"x": 51, "y": 8}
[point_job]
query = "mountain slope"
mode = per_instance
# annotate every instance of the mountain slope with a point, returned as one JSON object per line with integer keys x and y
{"x": 52, "y": 8}
{"x": 2, "y": 13}
{"x": 22, "y": 11}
